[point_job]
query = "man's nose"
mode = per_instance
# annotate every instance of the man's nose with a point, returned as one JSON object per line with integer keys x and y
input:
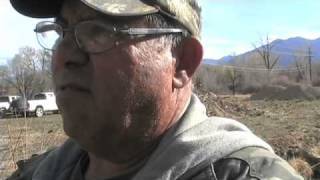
{"x": 70, "y": 54}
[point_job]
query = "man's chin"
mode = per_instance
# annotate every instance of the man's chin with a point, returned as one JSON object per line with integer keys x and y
{"x": 74, "y": 124}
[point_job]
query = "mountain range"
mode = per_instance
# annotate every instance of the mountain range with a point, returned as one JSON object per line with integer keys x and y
{"x": 288, "y": 50}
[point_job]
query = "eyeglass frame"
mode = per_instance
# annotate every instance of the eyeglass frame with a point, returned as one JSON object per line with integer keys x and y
{"x": 132, "y": 33}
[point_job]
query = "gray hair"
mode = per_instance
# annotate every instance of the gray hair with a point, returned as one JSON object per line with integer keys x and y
{"x": 159, "y": 20}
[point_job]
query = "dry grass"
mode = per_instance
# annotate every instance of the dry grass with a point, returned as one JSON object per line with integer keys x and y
{"x": 23, "y": 137}
{"x": 316, "y": 151}
{"x": 302, "y": 167}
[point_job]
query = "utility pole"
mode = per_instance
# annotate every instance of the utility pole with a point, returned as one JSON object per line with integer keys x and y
{"x": 310, "y": 61}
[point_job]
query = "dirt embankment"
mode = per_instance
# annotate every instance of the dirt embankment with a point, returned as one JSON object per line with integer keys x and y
{"x": 292, "y": 127}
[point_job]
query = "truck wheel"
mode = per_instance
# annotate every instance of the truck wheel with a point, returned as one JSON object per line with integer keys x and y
{"x": 39, "y": 112}
{"x": 2, "y": 114}
{"x": 56, "y": 112}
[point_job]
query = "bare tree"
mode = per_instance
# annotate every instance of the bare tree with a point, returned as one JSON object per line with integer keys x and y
{"x": 310, "y": 64}
{"x": 3, "y": 83}
{"x": 234, "y": 77}
{"x": 265, "y": 52}
{"x": 316, "y": 71}
{"x": 301, "y": 71}
{"x": 301, "y": 66}
{"x": 25, "y": 72}
{"x": 45, "y": 70}
{"x": 45, "y": 60}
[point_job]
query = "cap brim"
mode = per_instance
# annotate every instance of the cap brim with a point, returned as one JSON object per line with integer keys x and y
{"x": 37, "y": 8}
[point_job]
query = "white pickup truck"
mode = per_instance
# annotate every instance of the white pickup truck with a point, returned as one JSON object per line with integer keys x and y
{"x": 41, "y": 103}
{"x": 5, "y": 102}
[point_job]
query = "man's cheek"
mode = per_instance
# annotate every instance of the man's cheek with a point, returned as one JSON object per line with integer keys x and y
{"x": 56, "y": 62}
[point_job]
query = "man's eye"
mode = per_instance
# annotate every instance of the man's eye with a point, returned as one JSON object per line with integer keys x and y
{"x": 96, "y": 30}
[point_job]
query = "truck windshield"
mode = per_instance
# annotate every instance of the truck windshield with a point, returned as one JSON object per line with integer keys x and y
{"x": 4, "y": 99}
{"x": 39, "y": 96}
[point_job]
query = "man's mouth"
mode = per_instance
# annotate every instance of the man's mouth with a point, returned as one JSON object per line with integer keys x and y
{"x": 74, "y": 87}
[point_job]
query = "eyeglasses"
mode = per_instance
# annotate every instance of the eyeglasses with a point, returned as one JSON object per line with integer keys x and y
{"x": 95, "y": 36}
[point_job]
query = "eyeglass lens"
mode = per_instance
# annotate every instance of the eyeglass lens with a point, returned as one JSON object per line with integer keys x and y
{"x": 90, "y": 36}
{"x": 48, "y": 34}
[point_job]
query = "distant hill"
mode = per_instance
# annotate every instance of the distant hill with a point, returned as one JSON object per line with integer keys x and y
{"x": 288, "y": 50}
{"x": 211, "y": 62}
{"x": 224, "y": 60}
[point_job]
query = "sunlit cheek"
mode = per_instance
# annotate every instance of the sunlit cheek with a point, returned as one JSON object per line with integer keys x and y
{"x": 127, "y": 121}
{"x": 56, "y": 43}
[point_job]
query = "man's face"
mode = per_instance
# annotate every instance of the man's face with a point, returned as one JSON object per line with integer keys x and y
{"x": 116, "y": 103}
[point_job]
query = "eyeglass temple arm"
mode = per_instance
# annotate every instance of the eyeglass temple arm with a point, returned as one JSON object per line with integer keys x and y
{"x": 44, "y": 28}
{"x": 147, "y": 31}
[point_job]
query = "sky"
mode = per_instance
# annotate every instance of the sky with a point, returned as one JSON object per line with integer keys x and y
{"x": 229, "y": 26}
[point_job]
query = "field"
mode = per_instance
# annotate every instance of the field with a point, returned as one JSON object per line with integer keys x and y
{"x": 292, "y": 127}
{"x": 274, "y": 121}
{"x": 22, "y": 137}
{"x": 289, "y": 126}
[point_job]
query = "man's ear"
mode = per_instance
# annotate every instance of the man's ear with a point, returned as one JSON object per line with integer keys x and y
{"x": 189, "y": 56}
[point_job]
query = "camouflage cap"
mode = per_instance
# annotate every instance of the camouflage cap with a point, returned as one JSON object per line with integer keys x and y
{"x": 186, "y": 12}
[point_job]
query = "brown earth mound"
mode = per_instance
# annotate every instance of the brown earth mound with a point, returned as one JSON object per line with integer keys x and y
{"x": 277, "y": 122}
{"x": 287, "y": 93}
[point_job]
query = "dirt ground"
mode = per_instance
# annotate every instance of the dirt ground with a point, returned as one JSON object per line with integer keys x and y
{"x": 22, "y": 137}
{"x": 286, "y": 125}
{"x": 292, "y": 127}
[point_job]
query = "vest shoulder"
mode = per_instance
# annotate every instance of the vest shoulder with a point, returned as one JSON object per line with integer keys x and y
{"x": 57, "y": 157}
{"x": 264, "y": 164}
{"x": 251, "y": 163}
{"x": 26, "y": 168}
